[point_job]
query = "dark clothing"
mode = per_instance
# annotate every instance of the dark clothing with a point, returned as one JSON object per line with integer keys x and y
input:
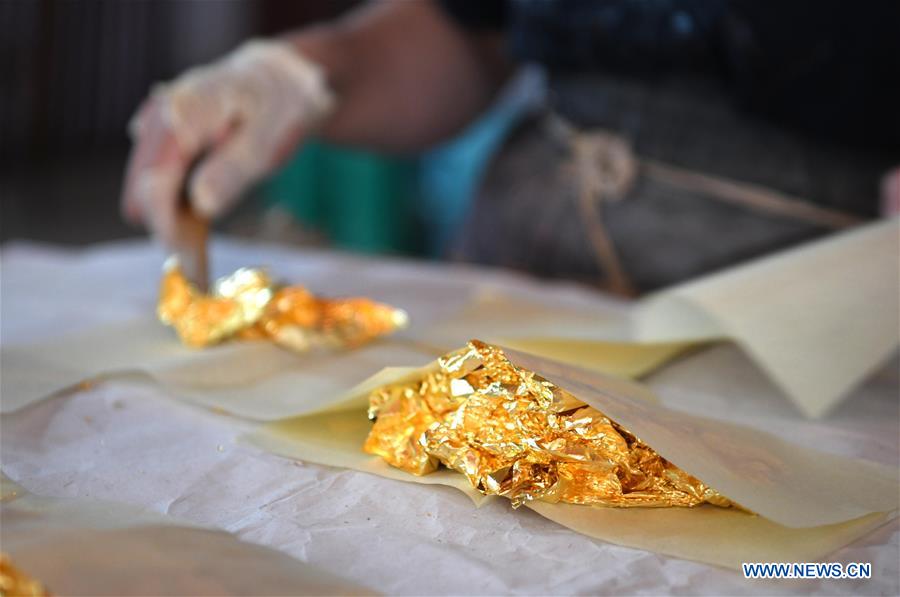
{"x": 798, "y": 99}
{"x": 527, "y": 216}
{"x": 827, "y": 67}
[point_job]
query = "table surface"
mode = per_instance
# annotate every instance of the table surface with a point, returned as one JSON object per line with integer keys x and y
{"x": 130, "y": 442}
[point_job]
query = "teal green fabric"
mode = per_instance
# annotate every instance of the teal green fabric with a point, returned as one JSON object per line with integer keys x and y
{"x": 374, "y": 203}
{"x": 359, "y": 200}
{"x": 449, "y": 175}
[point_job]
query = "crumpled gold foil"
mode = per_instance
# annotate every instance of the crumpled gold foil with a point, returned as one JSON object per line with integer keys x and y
{"x": 247, "y": 305}
{"x": 15, "y": 583}
{"x": 515, "y": 434}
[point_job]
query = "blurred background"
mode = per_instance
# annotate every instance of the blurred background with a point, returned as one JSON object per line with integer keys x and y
{"x": 705, "y": 94}
{"x": 81, "y": 67}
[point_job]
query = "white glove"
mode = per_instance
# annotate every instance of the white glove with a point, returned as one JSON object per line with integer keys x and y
{"x": 243, "y": 114}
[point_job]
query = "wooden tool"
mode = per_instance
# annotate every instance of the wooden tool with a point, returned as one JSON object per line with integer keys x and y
{"x": 192, "y": 234}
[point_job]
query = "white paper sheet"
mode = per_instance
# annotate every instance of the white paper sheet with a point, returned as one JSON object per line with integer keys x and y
{"x": 136, "y": 444}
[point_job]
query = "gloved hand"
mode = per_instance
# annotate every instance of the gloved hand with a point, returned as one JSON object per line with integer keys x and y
{"x": 241, "y": 116}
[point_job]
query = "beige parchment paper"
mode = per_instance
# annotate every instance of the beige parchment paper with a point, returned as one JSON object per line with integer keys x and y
{"x": 92, "y": 547}
{"x": 817, "y": 319}
{"x": 600, "y": 340}
{"x": 255, "y": 380}
{"x": 806, "y": 503}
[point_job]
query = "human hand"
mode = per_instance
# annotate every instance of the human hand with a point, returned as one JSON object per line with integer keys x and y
{"x": 224, "y": 125}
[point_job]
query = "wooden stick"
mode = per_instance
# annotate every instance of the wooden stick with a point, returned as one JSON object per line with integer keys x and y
{"x": 192, "y": 233}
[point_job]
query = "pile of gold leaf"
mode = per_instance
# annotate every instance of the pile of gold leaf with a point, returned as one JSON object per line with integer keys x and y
{"x": 247, "y": 305}
{"x": 515, "y": 434}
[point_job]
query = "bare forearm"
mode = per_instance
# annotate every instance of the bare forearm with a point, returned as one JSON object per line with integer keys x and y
{"x": 405, "y": 76}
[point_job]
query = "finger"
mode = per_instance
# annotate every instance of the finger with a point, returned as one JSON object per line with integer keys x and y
{"x": 158, "y": 191}
{"x": 173, "y": 126}
{"x": 199, "y": 108}
{"x": 155, "y": 173}
{"x": 220, "y": 179}
{"x": 155, "y": 149}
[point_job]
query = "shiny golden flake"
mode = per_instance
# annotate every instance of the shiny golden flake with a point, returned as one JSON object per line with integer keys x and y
{"x": 515, "y": 434}
{"x": 15, "y": 583}
{"x": 247, "y": 305}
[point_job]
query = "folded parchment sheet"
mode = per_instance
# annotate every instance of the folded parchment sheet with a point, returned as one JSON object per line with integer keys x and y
{"x": 817, "y": 319}
{"x": 89, "y": 547}
{"x": 806, "y": 503}
{"x": 827, "y": 318}
{"x": 256, "y": 380}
